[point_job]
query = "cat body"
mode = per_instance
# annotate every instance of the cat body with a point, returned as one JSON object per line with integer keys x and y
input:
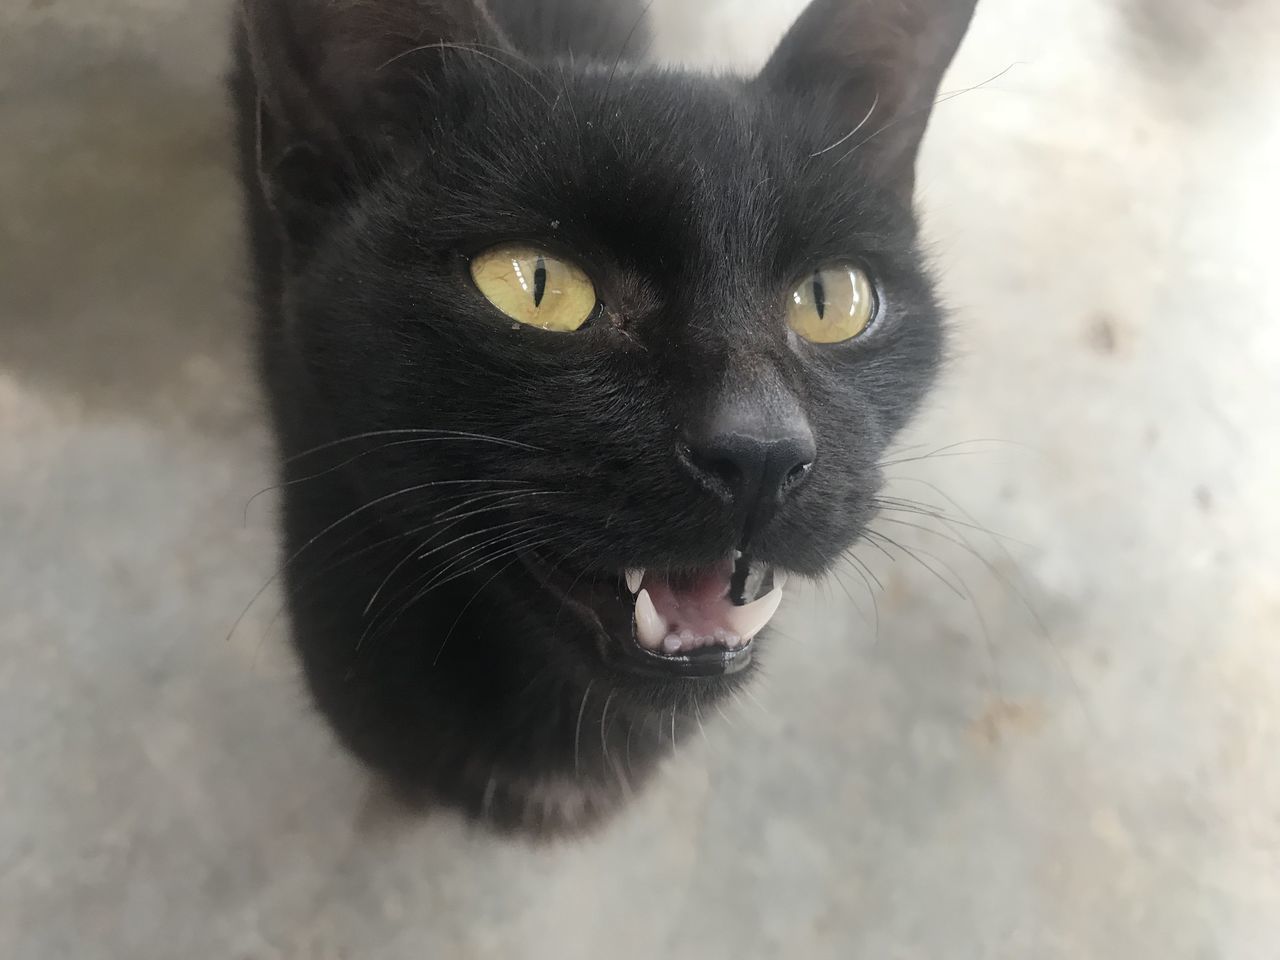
{"x": 519, "y": 560}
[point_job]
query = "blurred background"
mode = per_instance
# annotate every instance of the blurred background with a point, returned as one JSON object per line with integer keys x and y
{"x": 1054, "y": 733}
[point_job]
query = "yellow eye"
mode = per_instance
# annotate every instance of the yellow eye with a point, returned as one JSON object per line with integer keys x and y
{"x": 833, "y": 303}
{"x": 535, "y": 287}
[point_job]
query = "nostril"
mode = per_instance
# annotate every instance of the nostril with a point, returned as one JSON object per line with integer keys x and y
{"x": 798, "y": 473}
{"x": 716, "y": 466}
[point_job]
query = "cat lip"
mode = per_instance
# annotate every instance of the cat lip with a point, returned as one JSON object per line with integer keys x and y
{"x": 699, "y": 622}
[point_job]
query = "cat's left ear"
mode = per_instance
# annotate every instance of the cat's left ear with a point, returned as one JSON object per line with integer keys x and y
{"x": 882, "y": 61}
{"x": 329, "y": 76}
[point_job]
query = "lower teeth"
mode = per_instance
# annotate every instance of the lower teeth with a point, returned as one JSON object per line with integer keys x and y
{"x": 744, "y": 621}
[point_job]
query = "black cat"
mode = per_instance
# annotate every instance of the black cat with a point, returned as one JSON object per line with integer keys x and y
{"x": 571, "y": 361}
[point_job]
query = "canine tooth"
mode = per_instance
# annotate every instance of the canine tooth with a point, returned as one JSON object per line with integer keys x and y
{"x": 649, "y": 626}
{"x": 634, "y": 579}
{"x": 751, "y": 619}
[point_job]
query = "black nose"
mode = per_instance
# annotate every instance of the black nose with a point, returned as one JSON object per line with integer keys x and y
{"x": 752, "y": 457}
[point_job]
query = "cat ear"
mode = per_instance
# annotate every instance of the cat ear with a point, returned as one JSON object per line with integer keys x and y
{"x": 882, "y": 61}
{"x": 325, "y": 72}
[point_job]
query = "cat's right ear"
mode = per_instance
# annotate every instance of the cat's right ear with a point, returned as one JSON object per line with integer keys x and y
{"x": 880, "y": 62}
{"x": 325, "y": 76}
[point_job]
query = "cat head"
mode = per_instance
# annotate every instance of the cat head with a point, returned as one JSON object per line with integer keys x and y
{"x": 658, "y": 328}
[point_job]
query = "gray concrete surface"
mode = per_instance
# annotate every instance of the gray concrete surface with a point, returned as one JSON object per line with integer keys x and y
{"x": 1073, "y": 754}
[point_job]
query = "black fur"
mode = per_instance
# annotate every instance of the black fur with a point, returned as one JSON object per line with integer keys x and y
{"x": 376, "y": 161}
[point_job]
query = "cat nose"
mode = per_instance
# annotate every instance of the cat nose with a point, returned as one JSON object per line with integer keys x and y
{"x": 753, "y": 458}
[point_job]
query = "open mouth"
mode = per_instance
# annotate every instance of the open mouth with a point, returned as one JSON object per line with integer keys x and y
{"x": 699, "y": 622}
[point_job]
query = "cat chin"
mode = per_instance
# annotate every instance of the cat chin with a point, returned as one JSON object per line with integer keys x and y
{"x": 548, "y": 807}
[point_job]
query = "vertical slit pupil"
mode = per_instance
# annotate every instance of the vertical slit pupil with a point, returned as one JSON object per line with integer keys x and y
{"x": 539, "y": 281}
{"x": 819, "y": 296}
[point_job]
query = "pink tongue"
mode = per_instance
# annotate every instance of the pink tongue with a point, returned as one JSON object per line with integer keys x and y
{"x": 698, "y": 605}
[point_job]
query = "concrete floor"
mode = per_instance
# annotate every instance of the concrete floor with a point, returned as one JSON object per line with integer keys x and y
{"x": 1073, "y": 754}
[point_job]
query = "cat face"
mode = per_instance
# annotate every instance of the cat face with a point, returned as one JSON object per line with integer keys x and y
{"x": 695, "y": 212}
{"x": 622, "y": 347}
